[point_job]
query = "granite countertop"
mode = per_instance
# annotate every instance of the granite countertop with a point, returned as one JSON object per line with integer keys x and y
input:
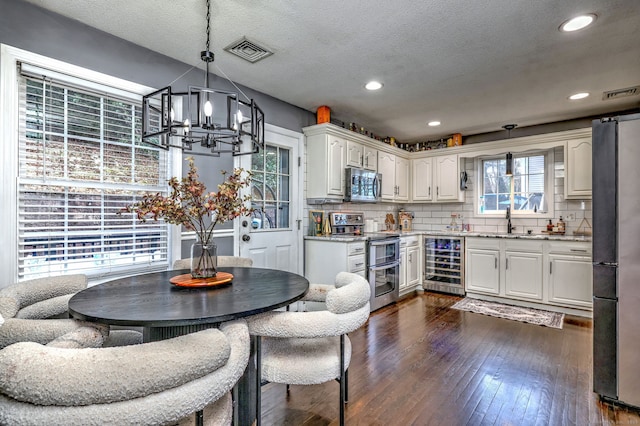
{"x": 551, "y": 237}
{"x": 351, "y": 238}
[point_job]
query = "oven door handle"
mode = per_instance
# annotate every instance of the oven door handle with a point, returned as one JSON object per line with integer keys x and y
{"x": 384, "y": 242}
{"x": 385, "y": 266}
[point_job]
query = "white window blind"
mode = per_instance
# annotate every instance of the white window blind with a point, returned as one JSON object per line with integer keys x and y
{"x": 524, "y": 192}
{"x": 80, "y": 162}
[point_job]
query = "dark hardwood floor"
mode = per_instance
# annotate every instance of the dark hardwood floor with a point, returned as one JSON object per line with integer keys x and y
{"x": 418, "y": 362}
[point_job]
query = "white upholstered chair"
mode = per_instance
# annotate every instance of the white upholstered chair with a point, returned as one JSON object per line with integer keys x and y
{"x": 305, "y": 348}
{"x": 157, "y": 383}
{"x": 35, "y": 311}
{"x": 222, "y": 261}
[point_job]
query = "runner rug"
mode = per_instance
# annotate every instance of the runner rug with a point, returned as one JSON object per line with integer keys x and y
{"x": 516, "y": 313}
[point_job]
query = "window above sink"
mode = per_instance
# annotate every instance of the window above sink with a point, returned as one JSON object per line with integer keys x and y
{"x": 528, "y": 192}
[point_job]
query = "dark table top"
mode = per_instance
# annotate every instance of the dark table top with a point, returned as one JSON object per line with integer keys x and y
{"x": 150, "y": 300}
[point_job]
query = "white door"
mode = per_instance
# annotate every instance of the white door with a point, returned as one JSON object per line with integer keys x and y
{"x": 272, "y": 236}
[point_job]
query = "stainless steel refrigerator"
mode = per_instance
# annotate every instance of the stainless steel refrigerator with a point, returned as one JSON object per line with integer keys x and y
{"x": 616, "y": 258}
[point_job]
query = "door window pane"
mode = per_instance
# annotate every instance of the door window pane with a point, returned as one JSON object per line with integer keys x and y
{"x": 271, "y": 188}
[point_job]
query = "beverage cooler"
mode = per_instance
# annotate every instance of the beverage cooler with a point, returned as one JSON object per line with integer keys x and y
{"x": 444, "y": 264}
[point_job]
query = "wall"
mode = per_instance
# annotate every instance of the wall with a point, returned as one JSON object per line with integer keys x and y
{"x": 436, "y": 217}
{"x": 37, "y": 30}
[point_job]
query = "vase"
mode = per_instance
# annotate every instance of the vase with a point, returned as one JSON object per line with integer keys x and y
{"x": 203, "y": 260}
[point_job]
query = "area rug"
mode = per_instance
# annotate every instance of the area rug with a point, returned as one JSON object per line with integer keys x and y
{"x": 516, "y": 313}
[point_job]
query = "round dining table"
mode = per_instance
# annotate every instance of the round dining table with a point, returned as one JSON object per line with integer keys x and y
{"x": 165, "y": 310}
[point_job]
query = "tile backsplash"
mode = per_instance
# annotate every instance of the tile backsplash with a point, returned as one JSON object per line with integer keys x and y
{"x": 436, "y": 217}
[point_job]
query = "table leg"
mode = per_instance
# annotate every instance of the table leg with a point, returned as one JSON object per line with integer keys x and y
{"x": 244, "y": 392}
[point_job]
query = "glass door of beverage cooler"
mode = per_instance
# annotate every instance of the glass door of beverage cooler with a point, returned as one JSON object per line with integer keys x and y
{"x": 444, "y": 265}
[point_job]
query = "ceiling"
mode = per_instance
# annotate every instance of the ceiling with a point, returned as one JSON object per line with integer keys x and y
{"x": 473, "y": 65}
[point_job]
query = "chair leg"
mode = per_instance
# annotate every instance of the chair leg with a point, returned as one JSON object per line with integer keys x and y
{"x": 258, "y": 380}
{"x": 346, "y": 386}
{"x": 342, "y": 380}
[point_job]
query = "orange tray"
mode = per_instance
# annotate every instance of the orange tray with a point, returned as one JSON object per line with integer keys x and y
{"x": 186, "y": 280}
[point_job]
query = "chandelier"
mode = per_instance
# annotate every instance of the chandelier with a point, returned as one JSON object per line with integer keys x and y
{"x": 216, "y": 119}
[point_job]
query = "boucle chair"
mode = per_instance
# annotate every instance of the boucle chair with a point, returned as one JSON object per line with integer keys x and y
{"x": 155, "y": 383}
{"x": 34, "y": 311}
{"x": 305, "y": 348}
{"x": 222, "y": 261}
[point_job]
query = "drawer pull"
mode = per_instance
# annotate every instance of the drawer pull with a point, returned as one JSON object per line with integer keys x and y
{"x": 359, "y": 249}
{"x": 360, "y": 264}
{"x": 580, "y": 250}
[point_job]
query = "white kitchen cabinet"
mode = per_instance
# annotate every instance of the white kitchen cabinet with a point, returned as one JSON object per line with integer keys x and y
{"x": 361, "y": 156}
{"x": 410, "y": 266}
{"x": 370, "y": 158}
{"x": 530, "y": 272}
{"x": 325, "y": 166}
{"x": 482, "y": 272}
{"x": 324, "y": 259}
{"x": 505, "y": 268}
{"x": 523, "y": 275}
{"x": 577, "y": 169}
{"x": 355, "y": 154}
{"x": 570, "y": 274}
{"x": 436, "y": 179}
{"x": 422, "y": 179}
{"x": 447, "y": 178}
{"x": 395, "y": 177}
{"x": 402, "y": 179}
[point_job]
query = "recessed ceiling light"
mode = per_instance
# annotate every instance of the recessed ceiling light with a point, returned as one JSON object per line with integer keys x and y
{"x": 433, "y": 123}
{"x": 578, "y": 23}
{"x": 373, "y": 85}
{"x": 577, "y": 96}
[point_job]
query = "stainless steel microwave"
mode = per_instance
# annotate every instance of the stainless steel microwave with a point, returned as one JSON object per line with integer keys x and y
{"x": 362, "y": 186}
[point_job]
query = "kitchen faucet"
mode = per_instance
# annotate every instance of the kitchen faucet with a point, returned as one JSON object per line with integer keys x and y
{"x": 509, "y": 227}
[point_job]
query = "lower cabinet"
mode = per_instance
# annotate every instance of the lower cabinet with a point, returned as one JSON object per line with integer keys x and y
{"x": 324, "y": 259}
{"x": 540, "y": 272}
{"x": 482, "y": 273}
{"x": 409, "y": 263}
{"x": 570, "y": 280}
{"x": 523, "y": 275}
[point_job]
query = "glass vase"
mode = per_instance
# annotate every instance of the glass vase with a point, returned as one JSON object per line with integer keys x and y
{"x": 203, "y": 260}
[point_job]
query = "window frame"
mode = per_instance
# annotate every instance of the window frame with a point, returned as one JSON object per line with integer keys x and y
{"x": 9, "y": 148}
{"x": 549, "y": 179}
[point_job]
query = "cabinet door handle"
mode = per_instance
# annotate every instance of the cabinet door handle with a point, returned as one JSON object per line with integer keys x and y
{"x": 550, "y": 267}
{"x": 495, "y": 261}
{"x": 437, "y": 191}
{"x": 429, "y": 191}
{"x": 506, "y": 263}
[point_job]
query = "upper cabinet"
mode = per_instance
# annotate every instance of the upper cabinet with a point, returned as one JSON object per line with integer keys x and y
{"x": 361, "y": 156}
{"x": 325, "y": 166}
{"x": 436, "y": 179}
{"x": 577, "y": 169}
{"x": 395, "y": 177}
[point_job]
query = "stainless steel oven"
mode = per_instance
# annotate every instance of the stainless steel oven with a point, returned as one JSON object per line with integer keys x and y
{"x": 384, "y": 269}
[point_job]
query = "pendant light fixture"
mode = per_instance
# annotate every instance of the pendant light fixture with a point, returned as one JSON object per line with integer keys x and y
{"x": 509, "y": 158}
{"x": 216, "y": 119}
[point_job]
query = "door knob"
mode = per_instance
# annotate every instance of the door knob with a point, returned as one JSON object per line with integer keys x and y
{"x": 245, "y": 223}
{"x": 246, "y": 237}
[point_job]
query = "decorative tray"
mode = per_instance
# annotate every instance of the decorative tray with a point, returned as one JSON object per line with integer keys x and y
{"x": 186, "y": 280}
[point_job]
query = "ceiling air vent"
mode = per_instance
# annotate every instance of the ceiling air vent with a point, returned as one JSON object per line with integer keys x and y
{"x": 621, "y": 93}
{"x": 248, "y": 50}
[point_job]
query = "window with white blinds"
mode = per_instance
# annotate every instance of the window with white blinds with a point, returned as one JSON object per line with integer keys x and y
{"x": 524, "y": 192}
{"x": 81, "y": 161}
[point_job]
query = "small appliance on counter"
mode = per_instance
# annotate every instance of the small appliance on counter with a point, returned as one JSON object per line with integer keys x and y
{"x": 346, "y": 223}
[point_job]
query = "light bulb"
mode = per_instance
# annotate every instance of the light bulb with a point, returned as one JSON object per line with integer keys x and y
{"x": 186, "y": 122}
{"x": 239, "y": 116}
{"x": 208, "y": 109}
{"x": 173, "y": 114}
